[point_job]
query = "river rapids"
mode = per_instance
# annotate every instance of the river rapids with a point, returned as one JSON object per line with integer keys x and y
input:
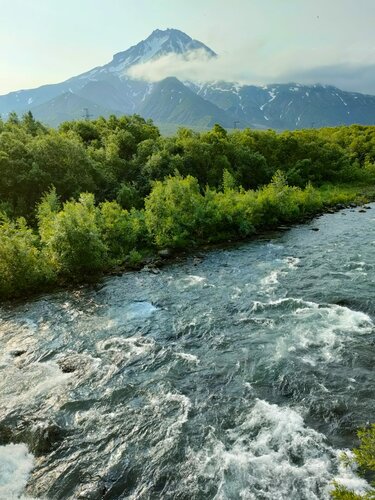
{"x": 241, "y": 373}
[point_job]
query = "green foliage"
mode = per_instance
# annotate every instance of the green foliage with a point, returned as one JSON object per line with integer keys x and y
{"x": 229, "y": 182}
{"x": 72, "y": 236}
{"x": 365, "y": 454}
{"x": 342, "y": 493}
{"x": 120, "y": 158}
{"x": 81, "y": 238}
{"x": 121, "y": 231}
{"x": 178, "y": 215}
{"x": 174, "y": 209}
{"x": 364, "y": 458}
{"x": 23, "y": 267}
{"x": 278, "y": 202}
{"x": 229, "y": 214}
{"x": 195, "y": 187}
{"x": 128, "y": 196}
{"x": 134, "y": 258}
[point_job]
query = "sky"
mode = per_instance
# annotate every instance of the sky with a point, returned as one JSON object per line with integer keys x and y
{"x": 258, "y": 41}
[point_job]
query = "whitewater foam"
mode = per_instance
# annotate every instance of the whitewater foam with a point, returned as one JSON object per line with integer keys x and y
{"x": 16, "y": 464}
{"x": 190, "y": 358}
{"x": 326, "y": 327}
{"x": 271, "y": 455}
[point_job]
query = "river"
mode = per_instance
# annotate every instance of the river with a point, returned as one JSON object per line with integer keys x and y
{"x": 237, "y": 374}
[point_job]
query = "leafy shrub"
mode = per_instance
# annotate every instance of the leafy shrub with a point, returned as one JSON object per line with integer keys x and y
{"x": 121, "y": 231}
{"x": 228, "y": 214}
{"x": 174, "y": 211}
{"x": 23, "y": 266}
{"x": 128, "y": 196}
{"x": 72, "y": 236}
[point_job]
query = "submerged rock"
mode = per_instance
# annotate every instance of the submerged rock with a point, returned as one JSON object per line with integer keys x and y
{"x": 92, "y": 492}
{"x": 44, "y": 437}
{"x": 41, "y": 438}
{"x": 11, "y": 429}
{"x": 18, "y": 352}
{"x": 5, "y": 434}
{"x": 197, "y": 261}
{"x": 69, "y": 364}
{"x": 72, "y": 361}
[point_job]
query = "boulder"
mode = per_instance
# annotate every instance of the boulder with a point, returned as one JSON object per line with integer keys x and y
{"x": 40, "y": 437}
{"x": 68, "y": 365}
{"x": 165, "y": 253}
{"x": 44, "y": 437}
{"x": 150, "y": 269}
{"x": 73, "y": 361}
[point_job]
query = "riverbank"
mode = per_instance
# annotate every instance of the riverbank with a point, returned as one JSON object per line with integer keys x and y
{"x": 81, "y": 243}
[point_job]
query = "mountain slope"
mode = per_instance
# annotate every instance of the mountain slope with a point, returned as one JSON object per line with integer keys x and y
{"x": 68, "y": 106}
{"x": 172, "y": 102}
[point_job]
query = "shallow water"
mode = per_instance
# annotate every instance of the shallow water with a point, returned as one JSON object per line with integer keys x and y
{"x": 238, "y": 376}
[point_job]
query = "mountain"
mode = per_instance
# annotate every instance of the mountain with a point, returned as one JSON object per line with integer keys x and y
{"x": 289, "y": 106}
{"x": 172, "y": 102}
{"x": 129, "y": 92}
{"x": 108, "y": 89}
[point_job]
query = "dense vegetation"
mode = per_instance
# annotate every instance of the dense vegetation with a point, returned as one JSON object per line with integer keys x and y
{"x": 364, "y": 458}
{"x": 92, "y": 195}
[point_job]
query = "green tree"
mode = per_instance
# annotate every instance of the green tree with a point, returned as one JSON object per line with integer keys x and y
{"x": 72, "y": 236}
{"x": 173, "y": 212}
{"x": 121, "y": 231}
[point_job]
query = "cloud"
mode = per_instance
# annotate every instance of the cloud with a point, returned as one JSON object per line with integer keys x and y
{"x": 352, "y": 77}
{"x": 353, "y": 69}
{"x": 196, "y": 65}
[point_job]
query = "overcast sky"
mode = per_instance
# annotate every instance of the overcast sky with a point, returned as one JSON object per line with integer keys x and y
{"x": 259, "y": 41}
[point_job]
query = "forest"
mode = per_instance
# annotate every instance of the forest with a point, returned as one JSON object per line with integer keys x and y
{"x": 92, "y": 195}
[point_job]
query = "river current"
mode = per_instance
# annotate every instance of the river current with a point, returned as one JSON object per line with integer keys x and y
{"x": 238, "y": 374}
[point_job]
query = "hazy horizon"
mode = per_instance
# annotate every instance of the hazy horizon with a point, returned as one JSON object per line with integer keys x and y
{"x": 257, "y": 42}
